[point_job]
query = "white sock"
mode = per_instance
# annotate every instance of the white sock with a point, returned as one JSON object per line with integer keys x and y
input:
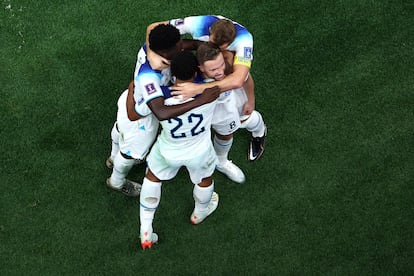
{"x": 222, "y": 148}
{"x": 202, "y": 197}
{"x": 115, "y": 142}
{"x": 149, "y": 199}
{"x": 255, "y": 124}
{"x": 122, "y": 166}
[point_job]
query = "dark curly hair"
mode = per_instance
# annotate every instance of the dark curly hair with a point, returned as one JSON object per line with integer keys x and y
{"x": 163, "y": 37}
{"x": 184, "y": 65}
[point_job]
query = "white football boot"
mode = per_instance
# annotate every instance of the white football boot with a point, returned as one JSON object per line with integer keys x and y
{"x": 197, "y": 218}
{"x": 231, "y": 171}
{"x": 128, "y": 188}
{"x": 146, "y": 241}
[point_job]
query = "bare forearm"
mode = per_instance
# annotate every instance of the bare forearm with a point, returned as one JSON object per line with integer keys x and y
{"x": 249, "y": 88}
{"x": 228, "y": 83}
{"x": 234, "y": 80}
{"x": 164, "y": 112}
{"x": 130, "y": 104}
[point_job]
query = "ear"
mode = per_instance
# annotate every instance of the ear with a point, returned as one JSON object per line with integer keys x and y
{"x": 201, "y": 67}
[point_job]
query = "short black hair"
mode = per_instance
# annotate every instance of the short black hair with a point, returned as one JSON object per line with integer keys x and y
{"x": 184, "y": 65}
{"x": 163, "y": 37}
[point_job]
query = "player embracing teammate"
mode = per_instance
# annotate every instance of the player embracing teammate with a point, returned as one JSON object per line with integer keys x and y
{"x": 224, "y": 66}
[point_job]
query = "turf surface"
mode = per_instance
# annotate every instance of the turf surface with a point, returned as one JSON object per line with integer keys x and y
{"x": 333, "y": 193}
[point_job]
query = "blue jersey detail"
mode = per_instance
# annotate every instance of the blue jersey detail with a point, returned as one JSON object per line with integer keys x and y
{"x": 203, "y": 24}
{"x": 166, "y": 91}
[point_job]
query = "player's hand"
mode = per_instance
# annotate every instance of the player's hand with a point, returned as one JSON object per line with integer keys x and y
{"x": 156, "y": 61}
{"x": 248, "y": 108}
{"x": 186, "y": 90}
{"x": 210, "y": 94}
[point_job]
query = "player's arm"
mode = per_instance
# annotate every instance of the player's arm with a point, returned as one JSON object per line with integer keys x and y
{"x": 132, "y": 114}
{"x": 248, "y": 85}
{"x": 234, "y": 80}
{"x": 249, "y": 88}
{"x": 164, "y": 112}
{"x": 158, "y": 62}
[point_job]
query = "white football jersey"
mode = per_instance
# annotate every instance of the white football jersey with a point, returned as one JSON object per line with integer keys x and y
{"x": 199, "y": 28}
{"x": 188, "y": 135}
{"x": 149, "y": 83}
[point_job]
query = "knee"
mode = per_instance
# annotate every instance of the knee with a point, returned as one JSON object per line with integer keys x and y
{"x": 224, "y": 137}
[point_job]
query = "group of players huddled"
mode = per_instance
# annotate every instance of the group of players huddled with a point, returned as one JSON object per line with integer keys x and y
{"x": 188, "y": 86}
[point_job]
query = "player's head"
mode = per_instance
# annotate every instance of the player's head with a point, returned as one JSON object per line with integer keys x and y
{"x": 222, "y": 33}
{"x": 165, "y": 40}
{"x": 211, "y": 61}
{"x": 184, "y": 66}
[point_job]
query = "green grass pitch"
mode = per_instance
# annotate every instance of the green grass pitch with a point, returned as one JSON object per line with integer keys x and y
{"x": 332, "y": 195}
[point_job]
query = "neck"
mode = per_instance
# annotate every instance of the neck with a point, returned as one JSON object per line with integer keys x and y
{"x": 182, "y": 81}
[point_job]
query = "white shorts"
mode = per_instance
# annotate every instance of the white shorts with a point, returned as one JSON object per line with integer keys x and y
{"x": 198, "y": 167}
{"x": 135, "y": 137}
{"x": 229, "y": 112}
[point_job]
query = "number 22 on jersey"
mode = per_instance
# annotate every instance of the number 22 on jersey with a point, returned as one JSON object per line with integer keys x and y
{"x": 185, "y": 127}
